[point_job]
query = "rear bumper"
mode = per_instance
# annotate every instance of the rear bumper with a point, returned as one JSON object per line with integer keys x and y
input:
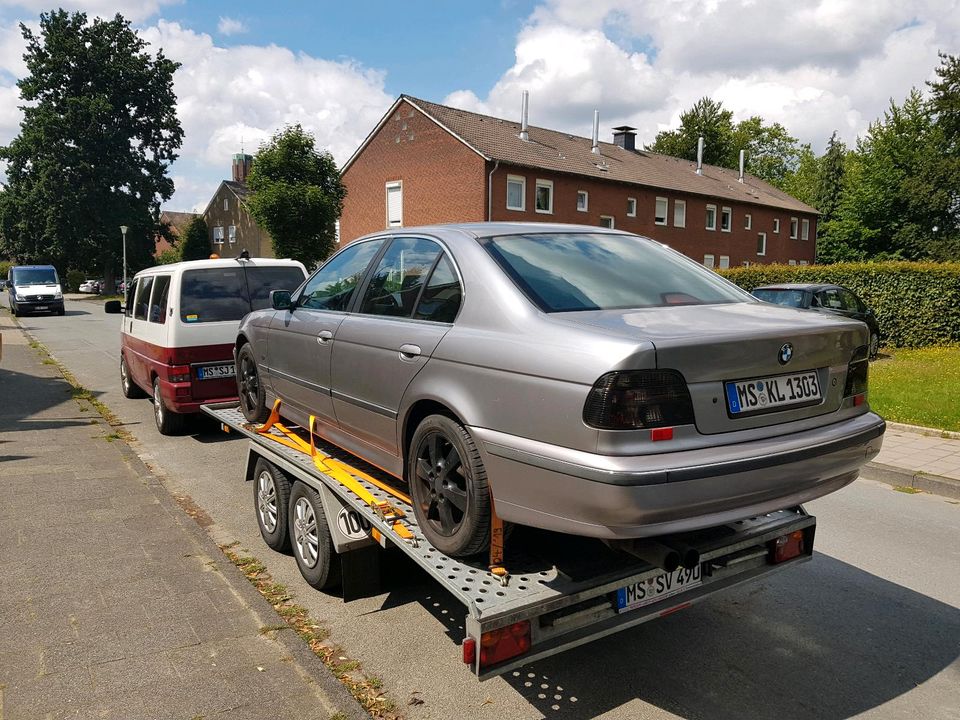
{"x": 640, "y": 496}
{"x": 178, "y": 397}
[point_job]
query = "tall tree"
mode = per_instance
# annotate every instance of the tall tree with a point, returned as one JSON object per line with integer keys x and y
{"x": 296, "y": 195}
{"x": 706, "y": 118}
{"x": 196, "y": 241}
{"x": 771, "y": 152}
{"x": 830, "y": 181}
{"x": 803, "y": 181}
{"x": 945, "y": 163}
{"x": 98, "y": 136}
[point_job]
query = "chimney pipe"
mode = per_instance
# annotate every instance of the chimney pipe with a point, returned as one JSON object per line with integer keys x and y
{"x": 700, "y": 155}
{"x": 524, "y": 135}
{"x": 596, "y": 133}
{"x": 741, "y": 166}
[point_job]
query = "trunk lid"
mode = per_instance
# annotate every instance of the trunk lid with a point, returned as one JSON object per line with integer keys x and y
{"x": 712, "y": 345}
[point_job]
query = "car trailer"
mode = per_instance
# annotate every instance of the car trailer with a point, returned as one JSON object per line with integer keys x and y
{"x": 547, "y": 593}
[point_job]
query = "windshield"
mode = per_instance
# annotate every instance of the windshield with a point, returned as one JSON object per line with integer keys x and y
{"x": 790, "y": 298}
{"x": 34, "y": 276}
{"x": 228, "y": 293}
{"x": 585, "y": 271}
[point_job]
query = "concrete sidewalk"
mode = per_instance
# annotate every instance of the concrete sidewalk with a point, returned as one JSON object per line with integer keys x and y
{"x": 923, "y": 458}
{"x": 114, "y": 603}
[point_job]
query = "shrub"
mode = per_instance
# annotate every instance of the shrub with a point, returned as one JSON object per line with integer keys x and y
{"x": 74, "y": 279}
{"x": 168, "y": 256}
{"x": 917, "y": 304}
{"x": 5, "y": 269}
{"x": 195, "y": 244}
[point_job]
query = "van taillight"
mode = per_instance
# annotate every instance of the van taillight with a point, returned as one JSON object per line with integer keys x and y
{"x": 635, "y": 399}
{"x": 178, "y": 373}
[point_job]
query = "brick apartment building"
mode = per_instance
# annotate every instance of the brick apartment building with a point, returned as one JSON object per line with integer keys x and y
{"x": 232, "y": 229}
{"x": 426, "y": 163}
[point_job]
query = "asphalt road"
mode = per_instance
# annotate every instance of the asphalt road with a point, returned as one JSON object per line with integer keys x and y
{"x": 870, "y": 627}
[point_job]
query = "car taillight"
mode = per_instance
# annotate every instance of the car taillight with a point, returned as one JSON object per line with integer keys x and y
{"x": 499, "y": 645}
{"x": 856, "y": 385}
{"x": 178, "y": 373}
{"x": 635, "y": 399}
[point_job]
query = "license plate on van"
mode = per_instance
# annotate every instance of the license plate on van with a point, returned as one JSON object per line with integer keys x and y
{"x": 215, "y": 372}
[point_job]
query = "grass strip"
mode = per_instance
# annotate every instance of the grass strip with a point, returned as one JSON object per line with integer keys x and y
{"x": 918, "y": 386}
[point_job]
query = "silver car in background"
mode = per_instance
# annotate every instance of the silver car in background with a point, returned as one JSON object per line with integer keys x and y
{"x": 589, "y": 381}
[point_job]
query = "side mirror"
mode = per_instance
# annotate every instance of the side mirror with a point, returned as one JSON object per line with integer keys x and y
{"x": 280, "y": 300}
{"x": 112, "y": 307}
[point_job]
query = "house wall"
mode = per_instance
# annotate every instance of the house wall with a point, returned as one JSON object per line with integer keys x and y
{"x": 443, "y": 180}
{"x": 250, "y": 236}
{"x": 693, "y": 240}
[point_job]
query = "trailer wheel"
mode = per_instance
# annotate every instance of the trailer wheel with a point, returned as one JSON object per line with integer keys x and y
{"x": 168, "y": 423}
{"x": 253, "y": 397}
{"x": 312, "y": 546}
{"x": 130, "y": 388}
{"x": 449, "y": 486}
{"x": 271, "y": 500}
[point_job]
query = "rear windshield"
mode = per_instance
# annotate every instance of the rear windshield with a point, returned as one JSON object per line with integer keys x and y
{"x": 790, "y": 298}
{"x": 34, "y": 276}
{"x": 229, "y": 293}
{"x": 570, "y": 272}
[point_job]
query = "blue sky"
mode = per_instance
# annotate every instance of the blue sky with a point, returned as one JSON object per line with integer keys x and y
{"x": 249, "y": 68}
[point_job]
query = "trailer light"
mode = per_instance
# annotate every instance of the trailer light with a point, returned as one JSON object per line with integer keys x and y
{"x": 504, "y": 643}
{"x": 786, "y": 547}
{"x": 469, "y": 650}
{"x": 179, "y": 373}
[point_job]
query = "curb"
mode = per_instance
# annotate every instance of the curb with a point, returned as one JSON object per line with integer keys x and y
{"x": 901, "y": 477}
{"x": 921, "y": 430}
{"x": 310, "y": 664}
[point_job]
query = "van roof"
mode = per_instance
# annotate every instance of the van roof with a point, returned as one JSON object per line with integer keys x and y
{"x": 32, "y": 267}
{"x": 220, "y": 262}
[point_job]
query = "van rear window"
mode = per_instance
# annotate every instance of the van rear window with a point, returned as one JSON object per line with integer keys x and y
{"x": 222, "y": 294}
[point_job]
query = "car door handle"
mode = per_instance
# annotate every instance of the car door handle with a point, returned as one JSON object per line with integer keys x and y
{"x": 324, "y": 336}
{"x": 409, "y": 352}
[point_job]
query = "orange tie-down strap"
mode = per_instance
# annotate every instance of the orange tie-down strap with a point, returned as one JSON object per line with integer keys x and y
{"x": 339, "y": 471}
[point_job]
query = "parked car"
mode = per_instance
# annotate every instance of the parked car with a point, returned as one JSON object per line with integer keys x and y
{"x": 89, "y": 286}
{"x": 824, "y": 298}
{"x": 34, "y": 288}
{"x": 588, "y": 381}
{"x": 179, "y": 325}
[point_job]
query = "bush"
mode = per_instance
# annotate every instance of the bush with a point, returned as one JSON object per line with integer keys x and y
{"x": 195, "y": 244}
{"x": 74, "y": 279}
{"x": 917, "y": 304}
{"x": 5, "y": 269}
{"x": 168, "y": 256}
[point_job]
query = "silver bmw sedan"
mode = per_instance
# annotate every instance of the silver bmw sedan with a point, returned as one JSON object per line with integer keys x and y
{"x": 583, "y": 380}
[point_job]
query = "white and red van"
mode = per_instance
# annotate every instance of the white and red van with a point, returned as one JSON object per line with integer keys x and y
{"x": 180, "y": 325}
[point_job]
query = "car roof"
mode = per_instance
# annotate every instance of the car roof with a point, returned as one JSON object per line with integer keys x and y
{"x": 492, "y": 229}
{"x": 219, "y": 262}
{"x": 812, "y": 287}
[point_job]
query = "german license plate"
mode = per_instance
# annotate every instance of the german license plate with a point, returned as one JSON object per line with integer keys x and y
{"x": 41, "y": 307}
{"x": 745, "y": 396}
{"x": 657, "y": 588}
{"x": 214, "y": 372}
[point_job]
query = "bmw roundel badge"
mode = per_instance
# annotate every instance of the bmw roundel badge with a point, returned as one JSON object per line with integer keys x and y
{"x": 786, "y": 352}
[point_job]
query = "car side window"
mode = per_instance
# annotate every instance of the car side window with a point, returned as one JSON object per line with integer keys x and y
{"x": 398, "y": 279}
{"x": 831, "y": 299}
{"x": 849, "y": 301}
{"x": 141, "y": 304}
{"x": 131, "y": 294}
{"x": 441, "y": 299}
{"x": 332, "y": 286}
{"x": 158, "y": 301}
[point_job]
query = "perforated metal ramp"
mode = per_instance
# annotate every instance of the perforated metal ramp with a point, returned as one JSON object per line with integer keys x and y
{"x": 549, "y": 573}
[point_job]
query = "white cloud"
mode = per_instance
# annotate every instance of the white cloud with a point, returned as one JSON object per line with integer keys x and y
{"x": 133, "y": 10}
{"x": 231, "y": 26}
{"x": 814, "y": 67}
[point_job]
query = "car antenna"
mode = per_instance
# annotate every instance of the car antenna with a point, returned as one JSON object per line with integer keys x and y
{"x": 244, "y": 255}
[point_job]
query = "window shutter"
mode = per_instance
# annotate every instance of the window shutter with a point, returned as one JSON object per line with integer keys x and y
{"x": 394, "y": 205}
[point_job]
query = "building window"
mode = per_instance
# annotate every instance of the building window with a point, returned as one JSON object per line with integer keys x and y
{"x": 631, "y": 207}
{"x": 776, "y": 225}
{"x": 724, "y": 262}
{"x": 708, "y": 261}
{"x": 711, "y": 217}
{"x": 394, "y": 204}
{"x": 232, "y": 233}
{"x": 803, "y": 262}
{"x": 679, "y": 213}
{"x": 791, "y": 262}
{"x": 606, "y": 221}
{"x": 226, "y": 203}
{"x": 762, "y": 244}
{"x": 544, "y": 197}
{"x": 804, "y": 229}
{"x": 748, "y": 222}
{"x": 582, "y": 200}
{"x": 660, "y": 215}
{"x": 793, "y": 228}
{"x": 726, "y": 218}
{"x": 516, "y": 192}
{"x": 218, "y": 235}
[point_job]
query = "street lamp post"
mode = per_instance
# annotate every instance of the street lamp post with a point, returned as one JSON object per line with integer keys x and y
{"x": 123, "y": 229}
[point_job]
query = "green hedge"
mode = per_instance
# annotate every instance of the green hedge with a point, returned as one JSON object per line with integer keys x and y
{"x": 917, "y": 304}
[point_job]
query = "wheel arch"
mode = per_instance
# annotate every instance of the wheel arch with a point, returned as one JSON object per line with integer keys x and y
{"x": 415, "y": 415}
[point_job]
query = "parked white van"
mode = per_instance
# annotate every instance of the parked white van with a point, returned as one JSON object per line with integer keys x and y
{"x": 180, "y": 325}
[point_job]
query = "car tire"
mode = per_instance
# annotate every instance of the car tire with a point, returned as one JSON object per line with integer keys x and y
{"x": 130, "y": 389}
{"x": 874, "y": 345}
{"x": 310, "y": 538}
{"x": 271, "y": 502}
{"x": 168, "y": 422}
{"x": 61, "y": 311}
{"x": 451, "y": 498}
{"x": 253, "y": 396}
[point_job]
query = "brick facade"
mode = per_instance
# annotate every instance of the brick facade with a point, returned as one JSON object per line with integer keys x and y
{"x": 249, "y": 235}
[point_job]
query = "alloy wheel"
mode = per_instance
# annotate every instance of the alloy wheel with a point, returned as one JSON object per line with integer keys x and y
{"x": 267, "y": 501}
{"x": 249, "y": 383}
{"x": 441, "y": 475}
{"x": 305, "y": 532}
